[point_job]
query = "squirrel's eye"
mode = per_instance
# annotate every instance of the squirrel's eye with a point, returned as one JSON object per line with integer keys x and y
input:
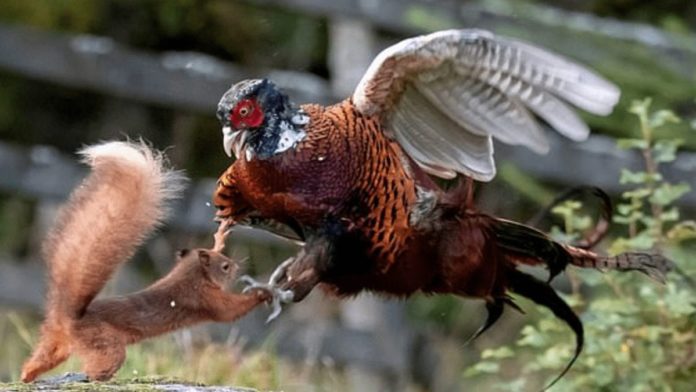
{"x": 225, "y": 267}
{"x": 244, "y": 111}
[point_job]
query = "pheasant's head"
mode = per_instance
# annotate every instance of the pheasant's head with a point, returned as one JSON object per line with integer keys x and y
{"x": 258, "y": 120}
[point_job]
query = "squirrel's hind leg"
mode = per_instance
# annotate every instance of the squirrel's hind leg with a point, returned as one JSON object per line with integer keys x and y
{"x": 101, "y": 363}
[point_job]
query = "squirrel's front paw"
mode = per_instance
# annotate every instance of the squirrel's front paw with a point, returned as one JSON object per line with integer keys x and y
{"x": 263, "y": 294}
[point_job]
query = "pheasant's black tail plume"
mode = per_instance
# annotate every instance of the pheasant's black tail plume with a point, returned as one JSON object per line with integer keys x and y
{"x": 531, "y": 246}
{"x": 542, "y": 294}
{"x": 494, "y": 309}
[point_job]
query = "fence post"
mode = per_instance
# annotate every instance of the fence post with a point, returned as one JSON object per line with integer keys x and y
{"x": 351, "y": 49}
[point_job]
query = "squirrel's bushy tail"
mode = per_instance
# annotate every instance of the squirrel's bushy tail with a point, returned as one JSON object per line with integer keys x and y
{"x": 121, "y": 201}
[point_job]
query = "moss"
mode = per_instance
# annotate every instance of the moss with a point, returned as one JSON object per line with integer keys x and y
{"x": 139, "y": 384}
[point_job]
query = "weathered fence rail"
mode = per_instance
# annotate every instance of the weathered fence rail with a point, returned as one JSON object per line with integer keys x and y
{"x": 182, "y": 80}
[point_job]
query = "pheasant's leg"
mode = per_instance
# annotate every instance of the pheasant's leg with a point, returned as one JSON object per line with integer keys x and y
{"x": 295, "y": 277}
{"x": 305, "y": 270}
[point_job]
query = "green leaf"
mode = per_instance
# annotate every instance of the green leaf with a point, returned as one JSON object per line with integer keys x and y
{"x": 626, "y": 209}
{"x": 624, "y": 220}
{"x": 626, "y": 144}
{"x": 498, "y": 353}
{"x": 630, "y": 177}
{"x": 482, "y": 367}
{"x": 637, "y": 193}
{"x": 666, "y": 150}
{"x": 612, "y": 305}
{"x": 582, "y": 222}
{"x": 682, "y": 231}
{"x": 650, "y": 332}
{"x": 662, "y": 117}
{"x": 640, "y": 107}
{"x": 532, "y": 337}
{"x": 667, "y": 193}
{"x": 671, "y": 215}
{"x": 642, "y": 241}
{"x": 680, "y": 301}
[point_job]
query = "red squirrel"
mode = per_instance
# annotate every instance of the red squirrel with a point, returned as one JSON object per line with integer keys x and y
{"x": 123, "y": 199}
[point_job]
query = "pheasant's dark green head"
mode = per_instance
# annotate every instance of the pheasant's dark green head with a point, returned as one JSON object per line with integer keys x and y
{"x": 258, "y": 120}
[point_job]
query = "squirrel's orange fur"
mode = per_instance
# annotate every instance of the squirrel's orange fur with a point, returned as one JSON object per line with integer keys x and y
{"x": 121, "y": 202}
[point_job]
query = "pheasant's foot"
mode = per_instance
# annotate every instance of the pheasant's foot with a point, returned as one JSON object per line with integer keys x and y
{"x": 279, "y": 296}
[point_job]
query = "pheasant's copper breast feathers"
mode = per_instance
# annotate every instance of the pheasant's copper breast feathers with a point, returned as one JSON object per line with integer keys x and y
{"x": 382, "y": 191}
{"x": 444, "y": 96}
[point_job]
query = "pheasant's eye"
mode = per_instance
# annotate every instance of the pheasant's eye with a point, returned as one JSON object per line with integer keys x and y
{"x": 246, "y": 114}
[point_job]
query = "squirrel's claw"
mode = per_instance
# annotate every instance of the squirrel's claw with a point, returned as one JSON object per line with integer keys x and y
{"x": 279, "y": 296}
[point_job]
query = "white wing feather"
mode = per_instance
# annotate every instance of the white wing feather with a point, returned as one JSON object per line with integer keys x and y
{"x": 444, "y": 95}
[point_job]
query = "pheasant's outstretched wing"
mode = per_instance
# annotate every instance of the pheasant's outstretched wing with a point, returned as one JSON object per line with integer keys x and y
{"x": 446, "y": 94}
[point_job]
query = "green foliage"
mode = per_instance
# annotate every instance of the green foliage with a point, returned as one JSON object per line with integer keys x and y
{"x": 639, "y": 336}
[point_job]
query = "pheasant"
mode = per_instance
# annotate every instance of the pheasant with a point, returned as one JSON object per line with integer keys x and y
{"x": 353, "y": 180}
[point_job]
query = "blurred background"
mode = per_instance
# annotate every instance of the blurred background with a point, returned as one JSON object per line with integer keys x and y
{"x": 77, "y": 72}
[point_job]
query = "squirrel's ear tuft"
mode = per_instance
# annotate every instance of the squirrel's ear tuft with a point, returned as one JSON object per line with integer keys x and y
{"x": 204, "y": 257}
{"x": 181, "y": 253}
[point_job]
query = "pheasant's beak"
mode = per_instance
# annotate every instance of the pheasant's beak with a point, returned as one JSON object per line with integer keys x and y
{"x": 227, "y": 138}
{"x": 233, "y": 141}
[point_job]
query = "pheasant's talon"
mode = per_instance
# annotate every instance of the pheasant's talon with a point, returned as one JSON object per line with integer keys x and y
{"x": 279, "y": 296}
{"x": 280, "y": 272}
{"x": 251, "y": 283}
{"x": 277, "y": 308}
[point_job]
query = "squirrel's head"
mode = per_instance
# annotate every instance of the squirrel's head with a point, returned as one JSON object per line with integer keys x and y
{"x": 218, "y": 268}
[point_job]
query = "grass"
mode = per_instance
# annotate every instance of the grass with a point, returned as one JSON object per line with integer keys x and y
{"x": 185, "y": 356}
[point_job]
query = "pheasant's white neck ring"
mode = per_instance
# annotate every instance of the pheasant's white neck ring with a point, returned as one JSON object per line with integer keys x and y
{"x": 289, "y": 133}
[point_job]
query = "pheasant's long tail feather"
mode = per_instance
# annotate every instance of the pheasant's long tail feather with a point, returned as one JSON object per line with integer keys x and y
{"x": 600, "y": 229}
{"x": 653, "y": 265}
{"x": 543, "y": 294}
{"x": 527, "y": 245}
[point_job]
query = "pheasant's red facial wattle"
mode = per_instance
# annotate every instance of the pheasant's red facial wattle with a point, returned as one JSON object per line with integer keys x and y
{"x": 246, "y": 114}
